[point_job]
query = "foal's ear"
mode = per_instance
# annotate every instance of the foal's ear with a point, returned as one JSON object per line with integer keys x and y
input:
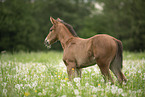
{"x": 53, "y": 21}
{"x": 59, "y": 19}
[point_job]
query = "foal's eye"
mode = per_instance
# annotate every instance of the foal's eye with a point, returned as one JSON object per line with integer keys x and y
{"x": 50, "y": 30}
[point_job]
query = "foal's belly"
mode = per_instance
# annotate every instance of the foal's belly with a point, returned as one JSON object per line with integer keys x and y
{"x": 83, "y": 62}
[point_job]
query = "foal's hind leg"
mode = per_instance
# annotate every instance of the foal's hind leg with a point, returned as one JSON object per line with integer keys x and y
{"x": 105, "y": 71}
{"x": 117, "y": 72}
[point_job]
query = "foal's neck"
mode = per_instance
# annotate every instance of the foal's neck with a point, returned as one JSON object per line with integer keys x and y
{"x": 65, "y": 37}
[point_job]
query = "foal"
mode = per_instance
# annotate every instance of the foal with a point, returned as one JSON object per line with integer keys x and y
{"x": 102, "y": 49}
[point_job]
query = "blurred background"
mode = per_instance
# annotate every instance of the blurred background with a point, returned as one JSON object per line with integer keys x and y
{"x": 24, "y": 24}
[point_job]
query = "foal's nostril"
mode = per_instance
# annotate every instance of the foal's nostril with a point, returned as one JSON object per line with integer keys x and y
{"x": 46, "y": 42}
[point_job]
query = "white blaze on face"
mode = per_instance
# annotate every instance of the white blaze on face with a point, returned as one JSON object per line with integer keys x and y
{"x": 45, "y": 39}
{"x": 47, "y": 43}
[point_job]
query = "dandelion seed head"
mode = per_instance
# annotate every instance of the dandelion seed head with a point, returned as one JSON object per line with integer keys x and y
{"x": 120, "y": 91}
{"x": 4, "y": 91}
{"x": 40, "y": 94}
{"x": 63, "y": 96}
{"x": 77, "y": 79}
{"x": 78, "y": 96}
{"x": 87, "y": 84}
{"x": 76, "y": 92}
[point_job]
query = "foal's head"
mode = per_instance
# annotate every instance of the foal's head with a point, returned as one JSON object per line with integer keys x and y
{"x": 53, "y": 32}
{"x": 58, "y": 29}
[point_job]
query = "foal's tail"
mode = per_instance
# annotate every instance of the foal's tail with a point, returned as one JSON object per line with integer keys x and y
{"x": 116, "y": 64}
{"x": 119, "y": 56}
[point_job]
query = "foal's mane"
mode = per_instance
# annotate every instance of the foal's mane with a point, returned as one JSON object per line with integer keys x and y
{"x": 70, "y": 28}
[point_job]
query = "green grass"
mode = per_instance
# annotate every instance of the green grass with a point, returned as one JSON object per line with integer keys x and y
{"x": 44, "y": 74}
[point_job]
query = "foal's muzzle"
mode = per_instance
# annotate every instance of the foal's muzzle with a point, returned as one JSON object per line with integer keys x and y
{"x": 47, "y": 43}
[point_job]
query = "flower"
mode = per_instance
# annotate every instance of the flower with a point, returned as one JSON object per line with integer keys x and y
{"x": 114, "y": 89}
{"x": 44, "y": 92}
{"x": 65, "y": 78}
{"x": 17, "y": 86}
{"x": 5, "y": 92}
{"x": 76, "y": 92}
{"x": 98, "y": 85}
{"x": 35, "y": 90}
{"x": 73, "y": 69}
{"x": 26, "y": 93}
{"x": 77, "y": 79}
{"x": 63, "y": 96}
{"x": 87, "y": 84}
{"x": 34, "y": 84}
{"x": 40, "y": 94}
{"x": 120, "y": 90}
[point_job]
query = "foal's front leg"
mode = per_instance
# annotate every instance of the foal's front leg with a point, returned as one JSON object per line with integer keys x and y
{"x": 72, "y": 73}
{"x": 71, "y": 69}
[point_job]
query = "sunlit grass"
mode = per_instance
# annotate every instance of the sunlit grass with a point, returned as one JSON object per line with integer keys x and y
{"x": 44, "y": 74}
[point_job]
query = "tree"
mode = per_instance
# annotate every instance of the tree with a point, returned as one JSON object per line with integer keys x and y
{"x": 123, "y": 19}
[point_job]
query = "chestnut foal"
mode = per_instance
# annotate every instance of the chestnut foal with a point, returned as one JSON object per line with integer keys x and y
{"x": 102, "y": 49}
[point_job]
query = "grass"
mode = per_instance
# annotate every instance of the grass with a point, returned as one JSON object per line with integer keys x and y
{"x": 43, "y": 74}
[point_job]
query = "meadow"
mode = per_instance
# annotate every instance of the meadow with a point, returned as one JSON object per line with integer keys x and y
{"x": 43, "y": 74}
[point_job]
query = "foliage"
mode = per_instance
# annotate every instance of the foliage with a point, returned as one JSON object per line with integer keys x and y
{"x": 22, "y": 74}
{"x": 24, "y": 24}
{"x": 123, "y": 19}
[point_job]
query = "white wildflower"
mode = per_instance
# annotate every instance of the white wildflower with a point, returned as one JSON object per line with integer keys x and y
{"x": 93, "y": 96}
{"x": 4, "y": 84}
{"x": 94, "y": 90}
{"x": 47, "y": 84}
{"x": 17, "y": 86}
{"x": 44, "y": 92}
{"x": 78, "y": 96}
{"x": 76, "y": 92}
{"x": 34, "y": 84}
{"x": 87, "y": 84}
{"x": 139, "y": 91}
{"x": 77, "y": 79}
{"x": 139, "y": 71}
{"x": 89, "y": 69}
{"x": 124, "y": 94}
{"x": 93, "y": 74}
{"x": 63, "y": 96}
{"x": 114, "y": 89}
{"x": 69, "y": 84}
{"x": 78, "y": 84}
{"x": 5, "y": 92}
{"x": 120, "y": 90}
{"x": 40, "y": 94}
